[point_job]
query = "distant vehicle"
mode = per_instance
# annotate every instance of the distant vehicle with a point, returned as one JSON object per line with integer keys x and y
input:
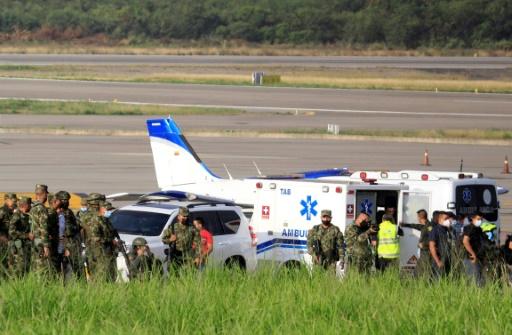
{"x": 153, "y": 213}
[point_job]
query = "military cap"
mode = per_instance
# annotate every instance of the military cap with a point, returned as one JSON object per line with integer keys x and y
{"x": 24, "y": 200}
{"x": 10, "y": 196}
{"x": 326, "y": 212}
{"x": 41, "y": 188}
{"x": 139, "y": 242}
{"x": 95, "y": 197}
{"x": 62, "y": 195}
{"x": 107, "y": 205}
{"x": 183, "y": 211}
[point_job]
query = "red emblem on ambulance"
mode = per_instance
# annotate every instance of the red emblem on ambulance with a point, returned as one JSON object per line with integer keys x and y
{"x": 265, "y": 212}
{"x": 350, "y": 211}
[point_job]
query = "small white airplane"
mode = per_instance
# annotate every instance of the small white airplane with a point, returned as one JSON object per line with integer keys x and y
{"x": 179, "y": 168}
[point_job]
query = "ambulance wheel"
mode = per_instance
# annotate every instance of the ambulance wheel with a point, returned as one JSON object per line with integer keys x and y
{"x": 292, "y": 266}
{"x": 236, "y": 263}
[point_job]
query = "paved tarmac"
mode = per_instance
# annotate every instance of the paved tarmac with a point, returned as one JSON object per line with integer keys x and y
{"x": 253, "y": 122}
{"x": 303, "y": 61}
{"x": 117, "y": 164}
{"x": 368, "y": 103}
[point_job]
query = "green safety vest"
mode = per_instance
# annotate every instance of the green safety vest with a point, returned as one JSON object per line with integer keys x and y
{"x": 388, "y": 245}
{"x": 488, "y": 229}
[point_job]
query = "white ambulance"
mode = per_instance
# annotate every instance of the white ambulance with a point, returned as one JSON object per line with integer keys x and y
{"x": 285, "y": 210}
{"x": 462, "y": 193}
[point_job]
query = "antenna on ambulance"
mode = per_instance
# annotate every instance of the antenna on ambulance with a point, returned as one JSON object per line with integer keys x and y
{"x": 257, "y": 169}
{"x": 227, "y": 171}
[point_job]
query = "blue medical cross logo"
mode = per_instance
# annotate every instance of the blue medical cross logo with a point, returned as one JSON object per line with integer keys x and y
{"x": 366, "y": 206}
{"x": 466, "y": 195}
{"x": 308, "y": 207}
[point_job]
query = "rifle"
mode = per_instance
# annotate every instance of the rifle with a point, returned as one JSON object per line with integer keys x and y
{"x": 122, "y": 247}
{"x": 317, "y": 248}
{"x": 171, "y": 251}
{"x": 85, "y": 261}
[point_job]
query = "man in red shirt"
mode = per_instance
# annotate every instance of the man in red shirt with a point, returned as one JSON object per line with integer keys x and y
{"x": 206, "y": 242}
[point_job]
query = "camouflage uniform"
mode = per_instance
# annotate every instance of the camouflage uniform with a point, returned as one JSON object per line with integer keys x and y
{"x": 82, "y": 211}
{"x": 19, "y": 244}
{"x": 326, "y": 245}
{"x": 40, "y": 229}
{"x": 141, "y": 266}
{"x": 186, "y": 237}
{"x": 5, "y": 217}
{"x": 53, "y": 233}
{"x": 359, "y": 250}
{"x": 111, "y": 250}
{"x": 66, "y": 238}
{"x": 97, "y": 237}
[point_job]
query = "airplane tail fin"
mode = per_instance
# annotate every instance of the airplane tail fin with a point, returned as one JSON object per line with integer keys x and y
{"x": 176, "y": 162}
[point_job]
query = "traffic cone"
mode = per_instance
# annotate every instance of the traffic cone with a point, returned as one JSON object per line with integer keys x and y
{"x": 506, "y": 167}
{"x": 426, "y": 161}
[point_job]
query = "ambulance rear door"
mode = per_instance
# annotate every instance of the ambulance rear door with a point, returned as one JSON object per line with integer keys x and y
{"x": 411, "y": 203}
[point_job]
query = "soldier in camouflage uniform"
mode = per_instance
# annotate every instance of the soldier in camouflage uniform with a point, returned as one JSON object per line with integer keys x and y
{"x": 97, "y": 237}
{"x": 142, "y": 261}
{"x": 112, "y": 250}
{"x": 181, "y": 237}
{"x": 359, "y": 250}
{"x": 67, "y": 237}
{"x": 19, "y": 243}
{"x": 39, "y": 232}
{"x": 6, "y": 212}
{"x": 53, "y": 230}
{"x": 325, "y": 242}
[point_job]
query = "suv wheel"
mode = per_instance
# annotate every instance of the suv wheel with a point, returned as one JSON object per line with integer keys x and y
{"x": 235, "y": 262}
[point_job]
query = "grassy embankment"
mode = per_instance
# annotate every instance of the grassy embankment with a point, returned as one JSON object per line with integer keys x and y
{"x": 489, "y": 81}
{"x": 35, "y": 107}
{"x": 224, "y": 302}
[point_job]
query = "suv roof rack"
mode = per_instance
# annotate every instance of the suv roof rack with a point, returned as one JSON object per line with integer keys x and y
{"x": 193, "y": 199}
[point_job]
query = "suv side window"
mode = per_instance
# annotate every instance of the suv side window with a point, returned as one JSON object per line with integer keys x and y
{"x": 211, "y": 221}
{"x": 230, "y": 220}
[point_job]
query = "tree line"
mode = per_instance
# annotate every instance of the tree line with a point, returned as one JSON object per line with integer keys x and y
{"x": 394, "y": 23}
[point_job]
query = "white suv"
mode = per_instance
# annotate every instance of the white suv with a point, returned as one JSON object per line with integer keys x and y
{"x": 232, "y": 242}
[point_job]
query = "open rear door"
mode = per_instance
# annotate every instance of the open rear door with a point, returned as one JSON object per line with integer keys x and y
{"x": 409, "y": 203}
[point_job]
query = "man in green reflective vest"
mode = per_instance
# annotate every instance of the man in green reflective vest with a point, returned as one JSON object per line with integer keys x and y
{"x": 388, "y": 246}
{"x": 489, "y": 229}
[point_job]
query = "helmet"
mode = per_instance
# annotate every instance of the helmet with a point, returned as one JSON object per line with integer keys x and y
{"x": 139, "y": 242}
{"x": 62, "y": 195}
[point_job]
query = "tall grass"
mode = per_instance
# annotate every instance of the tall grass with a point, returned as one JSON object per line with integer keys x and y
{"x": 266, "y": 302}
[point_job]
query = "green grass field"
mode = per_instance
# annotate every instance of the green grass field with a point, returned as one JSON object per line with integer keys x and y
{"x": 266, "y": 302}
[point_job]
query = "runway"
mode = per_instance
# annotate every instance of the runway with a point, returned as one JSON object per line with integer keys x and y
{"x": 301, "y": 61}
{"x": 124, "y": 164}
{"x": 491, "y": 109}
